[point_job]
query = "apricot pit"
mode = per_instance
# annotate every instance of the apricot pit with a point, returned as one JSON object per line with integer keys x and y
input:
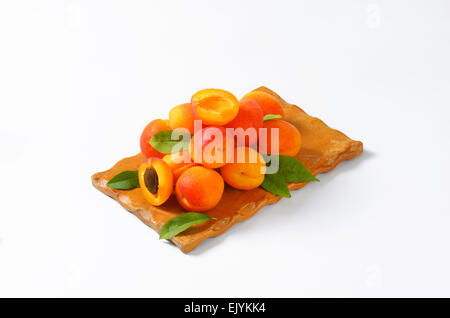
{"x": 156, "y": 181}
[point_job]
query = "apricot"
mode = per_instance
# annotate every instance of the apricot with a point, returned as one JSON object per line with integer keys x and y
{"x": 151, "y": 129}
{"x": 211, "y": 147}
{"x": 249, "y": 119}
{"x": 215, "y": 106}
{"x": 289, "y": 139}
{"x": 181, "y": 116}
{"x": 268, "y": 103}
{"x": 199, "y": 189}
{"x": 179, "y": 162}
{"x": 247, "y": 171}
{"x": 156, "y": 181}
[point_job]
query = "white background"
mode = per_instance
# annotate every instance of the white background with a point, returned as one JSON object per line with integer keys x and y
{"x": 80, "y": 79}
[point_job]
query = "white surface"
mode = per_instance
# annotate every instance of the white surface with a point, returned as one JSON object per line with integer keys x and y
{"x": 80, "y": 79}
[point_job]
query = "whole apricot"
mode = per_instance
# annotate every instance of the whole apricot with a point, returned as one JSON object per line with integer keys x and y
{"x": 289, "y": 139}
{"x": 199, "y": 189}
{"x": 211, "y": 147}
{"x": 156, "y": 181}
{"x": 181, "y": 116}
{"x": 179, "y": 162}
{"x": 268, "y": 103}
{"x": 214, "y": 106}
{"x": 149, "y": 131}
{"x": 247, "y": 123}
{"x": 247, "y": 172}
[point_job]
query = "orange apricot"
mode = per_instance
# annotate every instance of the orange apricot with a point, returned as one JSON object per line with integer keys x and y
{"x": 268, "y": 103}
{"x": 199, "y": 189}
{"x": 211, "y": 147}
{"x": 214, "y": 106}
{"x": 250, "y": 119}
{"x": 178, "y": 162}
{"x": 151, "y": 129}
{"x": 156, "y": 181}
{"x": 247, "y": 171}
{"x": 289, "y": 139}
{"x": 181, "y": 116}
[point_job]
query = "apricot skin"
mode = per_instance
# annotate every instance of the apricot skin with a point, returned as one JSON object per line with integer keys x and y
{"x": 289, "y": 138}
{"x": 203, "y": 141}
{"x": 164, "y": 184}
{"x": 245, "y": 174}
{"x": 181, "y": 116}
{"x": 214, "y": 106}
{"x": 250, "y": 115}
{"x": 199, "y": 189}
{"x": 151, "y": 129}
{"x": 179, "y": 162}
{"x": 268, "y": 103}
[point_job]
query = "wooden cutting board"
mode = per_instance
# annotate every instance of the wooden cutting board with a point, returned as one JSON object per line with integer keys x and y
{"x": 323, "y": 148}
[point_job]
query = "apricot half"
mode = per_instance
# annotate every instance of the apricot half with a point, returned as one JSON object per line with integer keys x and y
{"x": 149, "y": 131}
{"x": 247, "y": 171}
{"x": 289, "y": 139}
{"x": 181, "y": 116}
{"x": 156, "y": 181}
{"x": 215, "y": 106}
{"x": 268, "y": 103}
{"x": 247, "y": 123}
{"x": 199, "y": 189}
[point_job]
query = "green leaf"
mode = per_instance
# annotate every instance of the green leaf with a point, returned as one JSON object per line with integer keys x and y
{"x": 275, "y": 184}
{"x": 271, "y": 116}
{"x": 125, "y": 180}
{"x": 168, "y": 141}
{"x": 290, "y": 169}
{"x": 294, "y": 170}
{"x": 181, "y": 223}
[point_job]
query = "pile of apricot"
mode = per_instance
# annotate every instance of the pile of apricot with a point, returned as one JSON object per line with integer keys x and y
{"x": 198, "y": 175}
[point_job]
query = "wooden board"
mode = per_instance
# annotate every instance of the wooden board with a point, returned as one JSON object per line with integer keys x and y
{"x": 323, "y": 148}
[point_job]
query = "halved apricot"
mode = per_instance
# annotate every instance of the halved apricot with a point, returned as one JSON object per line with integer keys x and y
{"x": 156, "y": 181}
{"x": 151, "y": 129}
{"x": 215, "y": 106}
{"x": 247, "y": 171}
{"x": 199, "y": 189}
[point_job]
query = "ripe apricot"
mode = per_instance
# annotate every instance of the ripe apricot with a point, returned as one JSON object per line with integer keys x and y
{"x": 181, "y": 116}
{"x": 179, "y": 162}
{"x": 151, "y": 129}
{"x": 156, "y": 181}
{"x": 268, "y": 103}
{"x": 199, "y": 189}
{"x": 211, "y": 147}
{"x": 247, "y": 171}
{"x": 250, "y": 115}
{"x": 214, "y": 106}
{"x": 289, "y": 139}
